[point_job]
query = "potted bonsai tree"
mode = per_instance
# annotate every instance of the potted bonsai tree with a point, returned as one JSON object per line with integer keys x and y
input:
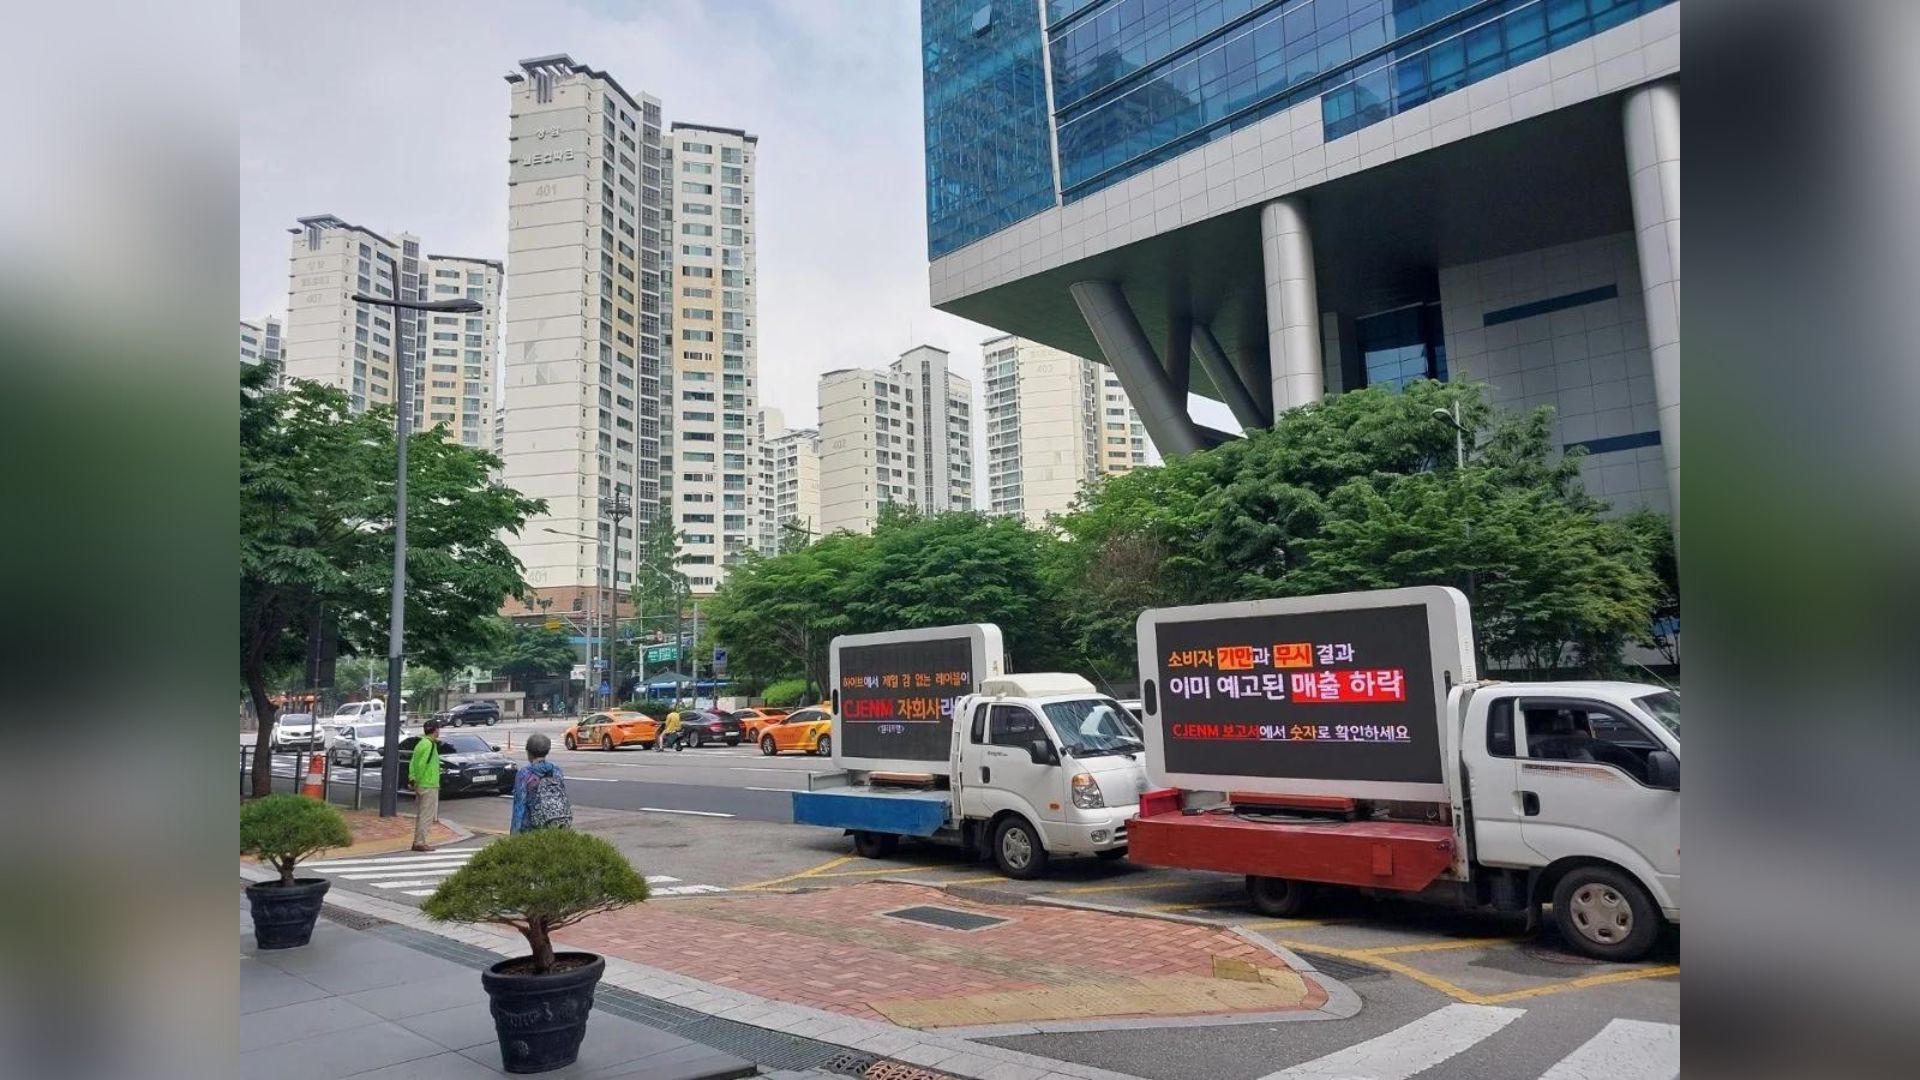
{"x": 538, "y": 882}
{"x": 281, "y": 830}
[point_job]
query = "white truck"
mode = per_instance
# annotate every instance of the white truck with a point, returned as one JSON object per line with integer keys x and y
{"x": 1025, "y": 767}
{"x": 1346, "y": 740}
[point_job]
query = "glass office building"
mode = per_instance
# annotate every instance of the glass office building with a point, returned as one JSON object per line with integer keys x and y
{"x": 1021, "y": 117}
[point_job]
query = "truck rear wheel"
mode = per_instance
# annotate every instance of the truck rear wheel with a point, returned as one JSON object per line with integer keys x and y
{"x": 1277, "y": 898}
{"x": 1605, "y": 913}
{"x": 1017, "y": 849}
{"x": 873, "y": 845}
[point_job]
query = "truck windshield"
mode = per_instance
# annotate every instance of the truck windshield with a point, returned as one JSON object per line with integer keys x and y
{"x": 1664, "y": 707}
{"x": 1093, "y": 726}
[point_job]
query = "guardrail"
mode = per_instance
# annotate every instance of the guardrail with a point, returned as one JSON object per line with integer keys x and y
{"x": 302, "y": 762}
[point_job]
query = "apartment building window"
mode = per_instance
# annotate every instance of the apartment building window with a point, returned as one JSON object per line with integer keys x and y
{"x": 730, "y": 155}
{"x": 696, "y": 209}
{"x": 688, "y": 187}
{"x": 697, "y": 313}
{"x": 697, "y": 148}
{"x": 696, "y": 168}
{"x": 697, "y": 271}
{"x": 694, "y": 228}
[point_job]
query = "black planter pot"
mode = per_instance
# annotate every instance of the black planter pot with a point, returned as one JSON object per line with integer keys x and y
{"x": 283, "y": 915}
{"x": 541, "y": 1018}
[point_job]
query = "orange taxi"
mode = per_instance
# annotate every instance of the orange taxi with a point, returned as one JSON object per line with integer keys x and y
{"x": 608, "y": 730}
{"x": 809, "y": 730}
{"x": 753, "y": 720}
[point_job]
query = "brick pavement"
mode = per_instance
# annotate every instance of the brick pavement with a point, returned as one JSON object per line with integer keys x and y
{"x": 835, "y": 949}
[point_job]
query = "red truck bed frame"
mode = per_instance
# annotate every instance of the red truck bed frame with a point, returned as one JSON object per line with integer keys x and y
{"x": 1398, "y": 855}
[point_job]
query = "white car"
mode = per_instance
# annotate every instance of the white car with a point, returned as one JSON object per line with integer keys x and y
{"x": 370, "y": 739}
{"x": 293, "y": 730}
{"x": 354, "y": 712}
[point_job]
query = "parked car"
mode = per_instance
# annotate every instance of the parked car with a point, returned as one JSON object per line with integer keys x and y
{"x": 354, "y": 712}
{"x": 700, "y": 727}
{"x": 296, "y": 731}
{"x": 369, "y": 739}
{"x": 473, "y": 713}
{"x": 809, "y": 730}
{"x": 468, "y": 763}
{"x": 610, "y": 730}
{"x": 756, "y": 718}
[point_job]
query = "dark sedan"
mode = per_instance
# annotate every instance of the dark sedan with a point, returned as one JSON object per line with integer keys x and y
{"x": 467, "y": 764}
{"x": 701, "y": 727}
{"x": 473, "y": 713}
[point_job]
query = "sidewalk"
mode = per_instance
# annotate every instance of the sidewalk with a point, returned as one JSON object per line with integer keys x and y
{"x": 354, "y": 1004}
{"x": 786, "y": 1036}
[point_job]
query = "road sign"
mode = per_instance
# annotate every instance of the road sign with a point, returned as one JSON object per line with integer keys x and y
{"x": 605, "y": 689}
{"x": 662, "y": 654}
{"x": 719, "y": 662}
{"x": 555, "y": 624}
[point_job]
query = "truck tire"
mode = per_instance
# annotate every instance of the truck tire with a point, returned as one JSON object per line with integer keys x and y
{"x": 1277, "y": 898}
{"x": 1018, "y": 850}
{"x": 873, "y": 845}
{"x": 1604, "y": 913}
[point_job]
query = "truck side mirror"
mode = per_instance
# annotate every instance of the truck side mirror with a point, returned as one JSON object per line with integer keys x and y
{"x": 1663, "y": 770}
{"x": 1043, "y": 752}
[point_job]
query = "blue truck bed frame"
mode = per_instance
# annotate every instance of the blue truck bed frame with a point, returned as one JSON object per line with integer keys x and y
{"x": 860, "y": 809}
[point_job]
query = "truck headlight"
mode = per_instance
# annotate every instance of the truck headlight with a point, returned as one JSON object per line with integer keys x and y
{"x": 1086, "y": 793}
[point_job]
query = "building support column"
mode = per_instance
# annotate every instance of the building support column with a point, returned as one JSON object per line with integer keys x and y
{"x": 1162, "y": 408}
{"x": 1246, "y": 408}
{"x": 1652, "y": 128}
{"x": 1293, "y": 306}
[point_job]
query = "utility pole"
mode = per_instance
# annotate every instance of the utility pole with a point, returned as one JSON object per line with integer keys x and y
{"x": 613, "y": 508}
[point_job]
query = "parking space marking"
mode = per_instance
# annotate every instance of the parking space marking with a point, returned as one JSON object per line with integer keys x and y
{"x": 1605, "y": 979}
{"x": 691, "y": 813}
{"x": 839, "y": 860}
{"x": 1473, "y": 997}
{"x": 1434, "y": 946}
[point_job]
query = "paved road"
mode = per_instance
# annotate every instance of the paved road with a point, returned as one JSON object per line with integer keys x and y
{"x": 1447, "y": 994}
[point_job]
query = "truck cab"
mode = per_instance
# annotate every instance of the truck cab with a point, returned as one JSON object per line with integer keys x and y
{"x": 1046, "y": 766}
{"x": 1576, "y": 784}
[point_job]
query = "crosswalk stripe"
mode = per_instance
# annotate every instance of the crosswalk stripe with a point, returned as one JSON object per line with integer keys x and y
{"x": 1408, "y": 1049}
{"x": 660, "y": 879}
{"x": 404, "y": 884}
{"x": 399, "y": 860}
{"x": 687, "y": 890}
{"x": 1624, "y": 1050}
{"x": 402, "y": 871}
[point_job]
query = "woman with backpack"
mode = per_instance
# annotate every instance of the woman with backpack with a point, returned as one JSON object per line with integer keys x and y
{"x": 540, "y": 791}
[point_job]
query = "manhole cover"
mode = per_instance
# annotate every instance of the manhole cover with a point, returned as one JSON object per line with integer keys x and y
{"x": 945, "y": 918}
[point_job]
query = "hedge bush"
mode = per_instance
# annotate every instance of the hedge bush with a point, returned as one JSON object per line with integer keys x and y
{"x": 285, "y": 829}
{"x": 538, "y": 882}
{"x": 787, "y": 692}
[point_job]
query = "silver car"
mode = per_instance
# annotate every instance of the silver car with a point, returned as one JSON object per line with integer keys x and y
{"x": 368, "y": 739}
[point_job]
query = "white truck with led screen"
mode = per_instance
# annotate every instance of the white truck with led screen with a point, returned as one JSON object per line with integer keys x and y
{"x": 893, "y": 692}
{"x": 1346, "y": 740}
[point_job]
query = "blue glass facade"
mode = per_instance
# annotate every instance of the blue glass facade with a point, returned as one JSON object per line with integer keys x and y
{"x": 989, "y": 156}
{"x": 1136, "y": 83}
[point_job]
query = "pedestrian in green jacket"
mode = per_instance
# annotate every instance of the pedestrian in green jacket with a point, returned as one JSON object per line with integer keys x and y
{"x": 423, "y": 776}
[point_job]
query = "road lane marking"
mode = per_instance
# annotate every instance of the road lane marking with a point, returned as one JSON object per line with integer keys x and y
{"x": 974, "y": 880}
{"x": 694, "y": 813}
{"x": 1408, "y": 1049}
{"x": 594, "y": 779}
{"x": 1435, "y": 946}
{"x": 1607, "y": 979}
{"x": 838, "y": 860}
{"x": 884, "y": 870}
{"x": 1624, "y": 1050}
{"x": 782, "y": 790}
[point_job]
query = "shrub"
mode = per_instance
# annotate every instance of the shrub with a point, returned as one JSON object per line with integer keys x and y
{"x": 787, "y": 692}
{"x": 538, "y": 882}
{"x": 285, "y": 829}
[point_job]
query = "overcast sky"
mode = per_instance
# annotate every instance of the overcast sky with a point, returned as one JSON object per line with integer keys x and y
{"x": 394, "y": 116}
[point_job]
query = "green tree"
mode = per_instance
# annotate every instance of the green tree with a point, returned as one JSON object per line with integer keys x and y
{"x": 776, "y": 615}
{"x": 316, "y": 527}
{"x": 532, "y": 652}
{"x": 1362, "y": 491}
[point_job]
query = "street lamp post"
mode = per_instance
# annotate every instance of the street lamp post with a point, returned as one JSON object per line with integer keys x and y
{"x": 615, "y": 507}
{"x": 397, "y": 620}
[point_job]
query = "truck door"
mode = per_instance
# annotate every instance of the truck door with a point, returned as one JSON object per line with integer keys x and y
{"x": 1488, "y": 753}
{"x": 1017, "y": 768}
{"x": 1586, "y": 789}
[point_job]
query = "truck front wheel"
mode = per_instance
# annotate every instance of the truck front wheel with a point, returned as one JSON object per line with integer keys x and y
{"x": 1017, "y": 849}
{"x": 1604, "y": 913}
{"x": 1277, "y": 898}
{"x": 873, "y": 845}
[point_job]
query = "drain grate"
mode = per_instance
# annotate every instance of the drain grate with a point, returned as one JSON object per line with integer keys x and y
{"x": 946, "y": 918}
{"x": 1344, "y": 970}
{"x": 352, "y": 920}
{"x": 900, "y": 1070}
{"x": 850, "y": 1063}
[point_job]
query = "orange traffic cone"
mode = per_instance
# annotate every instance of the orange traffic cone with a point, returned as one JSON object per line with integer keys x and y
{"x": 315, "y": 785}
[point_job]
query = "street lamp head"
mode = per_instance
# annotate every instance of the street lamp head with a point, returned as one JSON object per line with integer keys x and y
{"x": 461, "y": 306}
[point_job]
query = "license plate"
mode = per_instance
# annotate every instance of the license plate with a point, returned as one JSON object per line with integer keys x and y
{"x": 486, "y": 776}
